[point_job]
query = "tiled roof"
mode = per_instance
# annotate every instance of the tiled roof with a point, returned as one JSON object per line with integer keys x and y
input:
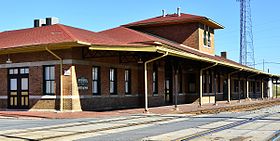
{"x": 57, "y": 33}
{"x": 120, "y": 36}
{"x": 130, "y": 36}
{"x": 174, "y": 18}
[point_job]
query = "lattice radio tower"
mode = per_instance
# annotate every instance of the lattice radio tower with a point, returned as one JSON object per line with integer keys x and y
{"x": 246, "y": 35}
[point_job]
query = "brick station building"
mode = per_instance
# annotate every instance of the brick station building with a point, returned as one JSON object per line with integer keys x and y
{"x": 165, "y": 60}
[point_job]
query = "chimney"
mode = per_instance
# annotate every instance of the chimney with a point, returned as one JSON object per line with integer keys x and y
{"x": 179, "y": 11}
{"x": 45, "y": 22}
{"x": 163, "y": 13}
{"x": 52, "y": 20}
{"x": 39, "y": 22}
{"x": 224, "y": 54}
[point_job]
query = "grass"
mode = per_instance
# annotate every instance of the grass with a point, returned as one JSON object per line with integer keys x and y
{"x": 274, "y": 91}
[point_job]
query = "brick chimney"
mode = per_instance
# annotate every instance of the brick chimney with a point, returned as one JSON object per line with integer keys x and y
{"x": 224, "y": 54}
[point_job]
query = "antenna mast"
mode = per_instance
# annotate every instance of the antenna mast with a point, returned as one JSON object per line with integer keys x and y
{"x": 246, "y": 35}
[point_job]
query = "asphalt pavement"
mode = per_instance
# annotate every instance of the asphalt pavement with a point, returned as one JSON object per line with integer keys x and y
{"x": 247, "y": 125}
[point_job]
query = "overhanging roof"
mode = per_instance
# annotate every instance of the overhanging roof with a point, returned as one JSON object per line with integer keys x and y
{"x": 179, "y": 53}
{"x": 174, "y": 18}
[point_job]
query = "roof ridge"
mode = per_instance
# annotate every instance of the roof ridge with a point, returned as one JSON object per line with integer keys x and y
{"x": 63, "y": 27}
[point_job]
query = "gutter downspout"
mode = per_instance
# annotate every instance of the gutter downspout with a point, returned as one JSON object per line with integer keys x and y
{"x": 61, "y": 81}
{"x": 146, "y": 79}
{"x": 229, "y": 87}
{"x": 200, "y": 82}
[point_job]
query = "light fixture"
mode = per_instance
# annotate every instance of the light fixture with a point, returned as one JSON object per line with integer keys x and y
{"x": 9, "y": 60}
{"x": 140, "y": 61}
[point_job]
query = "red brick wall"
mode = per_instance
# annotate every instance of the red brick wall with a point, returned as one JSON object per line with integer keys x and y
{"x": 186, "y": 34}
{"x": 3, "y": 82}
{"x": 36, "y": 80}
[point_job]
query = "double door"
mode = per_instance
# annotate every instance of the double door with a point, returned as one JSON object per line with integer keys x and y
{"x": 18, "y": 88}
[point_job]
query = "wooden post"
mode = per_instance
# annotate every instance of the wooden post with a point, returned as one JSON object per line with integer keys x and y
{"x": 176, "y": 88}
{"x": 262, "y": 91}
{"x": 239, "y": 90}
{"x": 229, "y": 91}
{"x": 247, "y": 88}
{"x": 276, "y": 87}
{"x": 215, "y": 88}
{"x": 200, "y": 86}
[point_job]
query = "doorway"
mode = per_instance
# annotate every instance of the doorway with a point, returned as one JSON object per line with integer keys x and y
{"x": 225, "y": 90}
{"x": 18, "y": 88}
{"x": 168, "y": 84}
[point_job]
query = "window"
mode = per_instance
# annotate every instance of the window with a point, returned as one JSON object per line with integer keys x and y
{"x": 13, "y": 71}
{"x": 96, "y": 81}
{"x": 127, "y": 81}
{"x": 113, "y": 81}
{"x": 192, "y": 83}
{"x": 49, "y": 80}
{"x": 210, "y": 82}
{"x": 155, "y": 79}
{"x": 258, "y": 87}
{"x": 204, "y": 83}
{"x": 219, "y": 83}
{"x": 13, "y": 84}
{"x": 252, "y": 86}
{"x": 207, "y": 36}
{"x": 236, "y": 86}
{"x": 24, "y": 70}
{"x": 242, "y": 86}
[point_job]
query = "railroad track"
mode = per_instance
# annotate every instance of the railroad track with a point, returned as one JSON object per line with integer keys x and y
{"x": 224, "y": 127}
{"x": 13, "y": 135}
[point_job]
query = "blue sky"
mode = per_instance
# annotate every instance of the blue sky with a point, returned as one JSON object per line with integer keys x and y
{"x": 97, "y": 15}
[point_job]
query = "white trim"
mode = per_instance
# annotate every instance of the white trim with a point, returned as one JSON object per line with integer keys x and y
{"x": 42, "y": 97}
{"x": 3, "y": 97}
{"x": 205, "y": 46}
{"x": 66, "y": 61}
{"x": 72, "y": 97}
{"x": 181, "y": 94}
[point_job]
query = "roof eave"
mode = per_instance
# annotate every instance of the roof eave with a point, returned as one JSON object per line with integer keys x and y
{"x": 213, "y": 23}
{"x": 39, "y": 47}
{"x": 123, "y": 48}
{"x": 205, "y": 59}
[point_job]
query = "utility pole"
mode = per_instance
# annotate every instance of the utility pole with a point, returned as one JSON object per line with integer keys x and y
{"x": 263, "y": 65}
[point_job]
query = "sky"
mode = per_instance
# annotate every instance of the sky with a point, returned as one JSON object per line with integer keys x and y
{"x": 98, "y": 15}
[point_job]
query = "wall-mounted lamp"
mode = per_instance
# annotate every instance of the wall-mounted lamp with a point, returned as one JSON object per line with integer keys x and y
{"x": 9, "y": 61}
{"x": 140, "y": 61}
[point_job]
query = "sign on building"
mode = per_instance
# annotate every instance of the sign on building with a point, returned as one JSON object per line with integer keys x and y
{"x": 82, "y": 83}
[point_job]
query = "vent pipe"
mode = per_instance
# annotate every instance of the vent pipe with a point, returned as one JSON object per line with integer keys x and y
{"x": 163, "y": 13}
{"x": 179, "y": 11}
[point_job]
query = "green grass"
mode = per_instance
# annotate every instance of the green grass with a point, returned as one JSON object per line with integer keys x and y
{"x": 274, "y": 91}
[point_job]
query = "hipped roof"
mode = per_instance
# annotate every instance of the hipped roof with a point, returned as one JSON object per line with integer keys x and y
{"x": 122, "y": 38}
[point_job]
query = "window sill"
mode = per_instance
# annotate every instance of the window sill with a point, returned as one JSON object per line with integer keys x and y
{"x": 49, "y": 97}
{"x": 181, "y": 94}
{"x": 206, "y": 46}
{"x": 128, "y": 95}
{"x": 155, "y": 94}
{"x": 113, "y": 95}
{"x": 96, "y": 96}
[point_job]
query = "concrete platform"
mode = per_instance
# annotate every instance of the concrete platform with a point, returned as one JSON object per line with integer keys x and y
{"x": 221, "y": 106}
